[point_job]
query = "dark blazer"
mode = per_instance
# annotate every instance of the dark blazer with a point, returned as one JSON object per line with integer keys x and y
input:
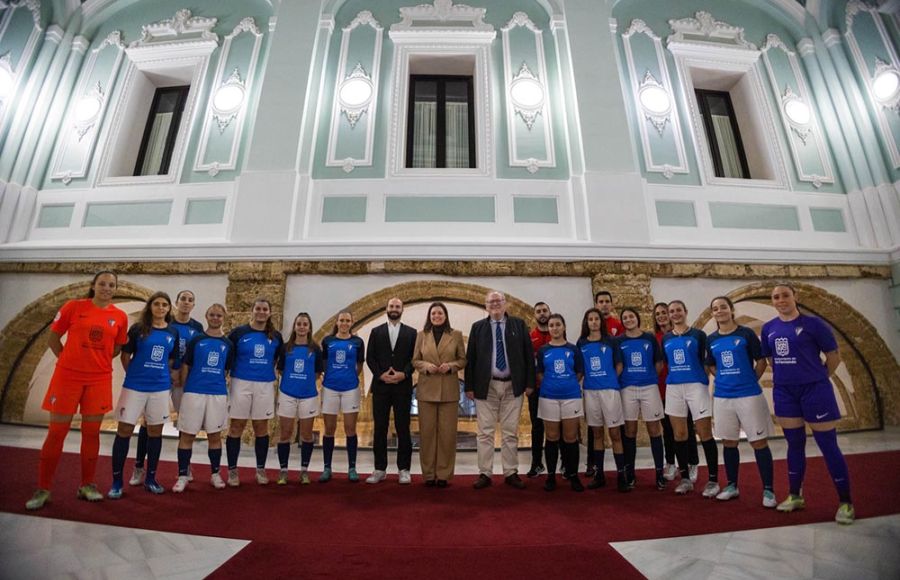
{"x": 520, "y": 356}
{"x": 380, "y": 357}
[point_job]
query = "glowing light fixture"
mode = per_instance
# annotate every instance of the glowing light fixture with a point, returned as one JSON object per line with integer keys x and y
{"x": 228, "y": 98}
{"x": 7, "y": 81}
{"x": 797, "y": 112}
{"x": 886, "y": 85}
{"x": 87, "y": 108}
{"x": 355, "y": 92}
{"x": 655, "y": 99}
{"x": 527, "y": 92}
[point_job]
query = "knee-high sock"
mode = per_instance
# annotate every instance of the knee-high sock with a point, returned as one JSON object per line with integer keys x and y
{"x": 284, "y": 453}
{"x": 764, "y": 464}
{"x": 591, "y": 447}
{"x": 143, "y": 435}
{"x": 119, "y": 453}
{"x": 154, "y": 448}
{"x": 693, "y": 458}
{"x": 834, "y": 460}
{"x": 184, "y": 461}
{"x": 51, "y": 452}
{"x": 215, "y": 458}
{"x": 572, "y": 452}
{"x": 620, "y": 463}
{"x": 796, "y": 457}
{"x": 306, "y": 450}
{"x": 629, "y": 445}
{"x": 352, "y": 445}
{"x": 599, "y": 458}
{"x": 232, "y": 451}
{"x": 681, "y": 454}
{"x": 711, "y": 451}
{"x": 327, "y": 450}
{"x": 551, "y": 455}
{"x": 90, "y": 450}
{"x": 261, "y": 447}
{"x": 732, "y": 457}
{"x": 656, "y": 447}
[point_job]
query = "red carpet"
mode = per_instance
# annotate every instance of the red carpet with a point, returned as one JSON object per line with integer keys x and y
{"x": 388, "y": 530}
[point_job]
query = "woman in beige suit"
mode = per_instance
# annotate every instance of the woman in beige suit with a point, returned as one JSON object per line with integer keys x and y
{"x": 439, "y": 356}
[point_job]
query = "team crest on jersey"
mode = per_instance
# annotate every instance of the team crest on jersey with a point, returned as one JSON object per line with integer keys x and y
{"x": 299, "y": 365}
{"x": 798, "y": 330}
{"x": 340, "y": 357}
{"x": 782, "y": 346}
{"x": 637, "y": 358}
{"x": 679, "y": 356}
{"x": 559, "y": 366}
{"x": 595, "y": 363}
{"x": 727, "y": 359}
{"x": 259, "y": 350}
{"x": 96, "y": 334}
{"x": 111, "y": 321}
{"x": 212, "y": 359}
{"x": 157, "y": 353}
{"x": 182, "y": 344}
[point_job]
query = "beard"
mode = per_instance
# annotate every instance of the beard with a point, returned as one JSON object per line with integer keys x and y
{"x": 543, "y": 320}
{"x": 394, "y": 315}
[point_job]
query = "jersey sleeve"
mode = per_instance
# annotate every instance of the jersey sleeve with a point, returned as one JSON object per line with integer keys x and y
{"x": 361, "y": 353}
{"x": 63, "y": 319}
{"x": 579, "y": 361}
{"x": 232, "y": 354}
{"x": 319, "y": 364}
{"x": 175, "y": 353}
{"x": 702, "y": 342}
{"x": 764, "y": 342}
{"x": 659, "y": 354}
{"x": 279, "y": 360}
{"x": 189, "y": 351}
{"x": 754, "y": 347}
{"x": 707, "y": 356}
{"x": 824, "y": 336}
{"x": 195, "y": 325}
{"x": 539, "y": 359}
{"x": 279, "y": 352}
{"x": 134, "y": 335}
{"x": 122, "y": 334}
{"x": 616, "y": 353}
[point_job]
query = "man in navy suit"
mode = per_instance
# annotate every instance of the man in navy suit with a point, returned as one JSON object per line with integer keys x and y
{"x": 389, "y": 357}
{"x": 499, "y": 369}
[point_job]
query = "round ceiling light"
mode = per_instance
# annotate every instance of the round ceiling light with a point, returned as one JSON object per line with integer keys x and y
{"x": 655, "y": 100}
{"x": 886, "y": 85}
{"x": 6, "y": 82}
{"x": 355, "y": 92}
{"x": 87, "y": 109}
{"x": 527, "y": 93}
{"x": 797, "y": 111}
{"x": 228, "y": 98}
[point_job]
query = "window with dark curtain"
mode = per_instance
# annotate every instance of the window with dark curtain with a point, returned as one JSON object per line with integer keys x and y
{"x": 723, "y": 134}
{"x": 161, "y": 131}
{"x": 440, "y": 131}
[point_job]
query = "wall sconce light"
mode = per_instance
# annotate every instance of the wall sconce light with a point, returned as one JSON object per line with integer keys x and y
{"x": 228, "y": 99}
{"x": 886, "y": 84}
{"x": 527, "y": 95}
{"x": 655, "y": 101}
{"x": 355, "y": 94}
{"x": 87, "y": 110}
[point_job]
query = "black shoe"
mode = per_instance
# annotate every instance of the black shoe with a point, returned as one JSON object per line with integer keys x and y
{"x": 661, "y": 483}
{"x": 442, "y": 483}
{"x": 590, "y": 471}
{"x": 535, "y": 471}
{"x": 622, "y": 484}
{"x": 515, "y": 481}
{"x": 429, "y": 483}
{"x": 482, "y": 482}
{"x": 550, "y": 484}
{"x": 575, "y": 482}
{"x": 598, "y": 481}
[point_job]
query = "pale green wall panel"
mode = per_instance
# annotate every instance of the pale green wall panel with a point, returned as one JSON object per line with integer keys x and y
{"x": 827, "y": 219}
{"x": 55, "y": 216}
{"x": 16, "y": 36}
{"x": 754, "y": 216}
{"x": 149, "y": 213}
{"x": 535, "y": 210}
{"x": 676, "y": 213}
{"x": 399, "y": 208}
{"x": 343, "y": 209}
{"x": 204, "y": 211}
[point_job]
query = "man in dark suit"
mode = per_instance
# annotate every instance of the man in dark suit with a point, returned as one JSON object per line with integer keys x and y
{"x": 389, "y": 357}
{"x": 499, "y": 369}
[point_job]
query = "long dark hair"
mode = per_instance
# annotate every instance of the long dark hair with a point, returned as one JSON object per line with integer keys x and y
{"x": 91, "y": 293}
{"x": 270, "y": 328}
{"x": 730, "y": 307}
{"x": 310, "y": 341}
{"x": 145, "y": 322}
{"x": 656, "y": 326}
{"x": 334, "y": 329}
{"x": 444, "y": 327}
{"x": 585, "y": 331}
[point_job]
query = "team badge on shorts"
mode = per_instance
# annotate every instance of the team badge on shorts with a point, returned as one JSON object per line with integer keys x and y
{"x": 157, "y": 353}
{"x": 299, "y": 365}
{"x": 212, "y": 359}
{"x": 559, "y": 366}
{"x": 782, "y": 346}
{"x": 679, "y": 356}
{"x": 595, "y": 363}
{"x": 637, "y": 359}
{"x": 727, "y": 359}
{"x": 259, "y": 350}
{"x": 340, "y": 357}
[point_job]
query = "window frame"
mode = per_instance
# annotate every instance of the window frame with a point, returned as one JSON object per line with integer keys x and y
{"x": 706, "y": 115}
{"x": 441, "y": 118}
{"x": 182, "y": 91}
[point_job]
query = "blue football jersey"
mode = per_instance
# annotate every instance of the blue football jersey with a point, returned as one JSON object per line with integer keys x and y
{"x": 209, "y": 359}
{"x": 151, "y": 356}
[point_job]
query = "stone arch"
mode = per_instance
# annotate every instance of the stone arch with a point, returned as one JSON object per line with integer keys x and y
{"x": 23, "y": 340}
{"x": 875, "y": 359}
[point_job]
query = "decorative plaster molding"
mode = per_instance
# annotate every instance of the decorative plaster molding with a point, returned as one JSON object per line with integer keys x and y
{"x": 638, "y": 26}
{"x": 326, "y": 22}
{"x": 273, "y": 22}
{"x": 181, "y": 27}
{"x": 557, "y": 22}
{"x": 54, "y": 34}
{"x": 831, "y": 37}
{"x": 96, "y": 93}
{"x": 806, "y": 47}
{"x": 223, "y": 119}
{"x": 80, "y": 44}
{"x": 33, "y": 5}
{"x": 613, "y": 26}
{"x": 520, "y": 19}
{"x": 247, "y": 24}
{"x": 528, "y": 114}
{"x": 442, "y": 11}
{"x": 708, "y": 29}
{"x": 114, "y": 38}
{"x": 658, "y": 120}
{"x": 882, "y": 67}
{"x": 353, "y": 113}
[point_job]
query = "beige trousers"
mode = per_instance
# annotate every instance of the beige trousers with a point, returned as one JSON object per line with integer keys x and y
{"x": 500, "y": 406}
{"x": 437, "y": 439}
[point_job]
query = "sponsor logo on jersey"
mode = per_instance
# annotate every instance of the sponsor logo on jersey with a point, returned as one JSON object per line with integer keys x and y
{"x": 340, "y": 357}
{"x": 212, "y": 359}
{"x": 603, "y": 349}
{"x": 727, "y": 359}
{"x": 111, "y": 322}
{"x": 679, "y": 356}
{"x": 259, "y": 350}
{"x": 637, "y": 359}
{"x": 687, "y": 343}
{"x": 299, "y": 365}
{"x": 798, "y": 330}
{"x": 559, "y": 366}
{"x": 95, "y": 334}
{"x": 782, "y": 346}
{"x": 595, "y": 363}
{"x": 157, "y": 353}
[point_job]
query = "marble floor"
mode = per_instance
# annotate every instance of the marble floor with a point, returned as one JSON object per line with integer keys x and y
{"x": 868, "y": 549}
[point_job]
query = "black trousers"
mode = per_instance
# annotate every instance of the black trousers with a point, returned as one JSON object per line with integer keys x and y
{"x": 537, "y": 431}
{"x": 383, "y": 400}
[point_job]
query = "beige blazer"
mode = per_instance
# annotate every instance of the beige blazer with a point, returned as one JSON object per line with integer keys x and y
{"x": 440, "y": 387}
